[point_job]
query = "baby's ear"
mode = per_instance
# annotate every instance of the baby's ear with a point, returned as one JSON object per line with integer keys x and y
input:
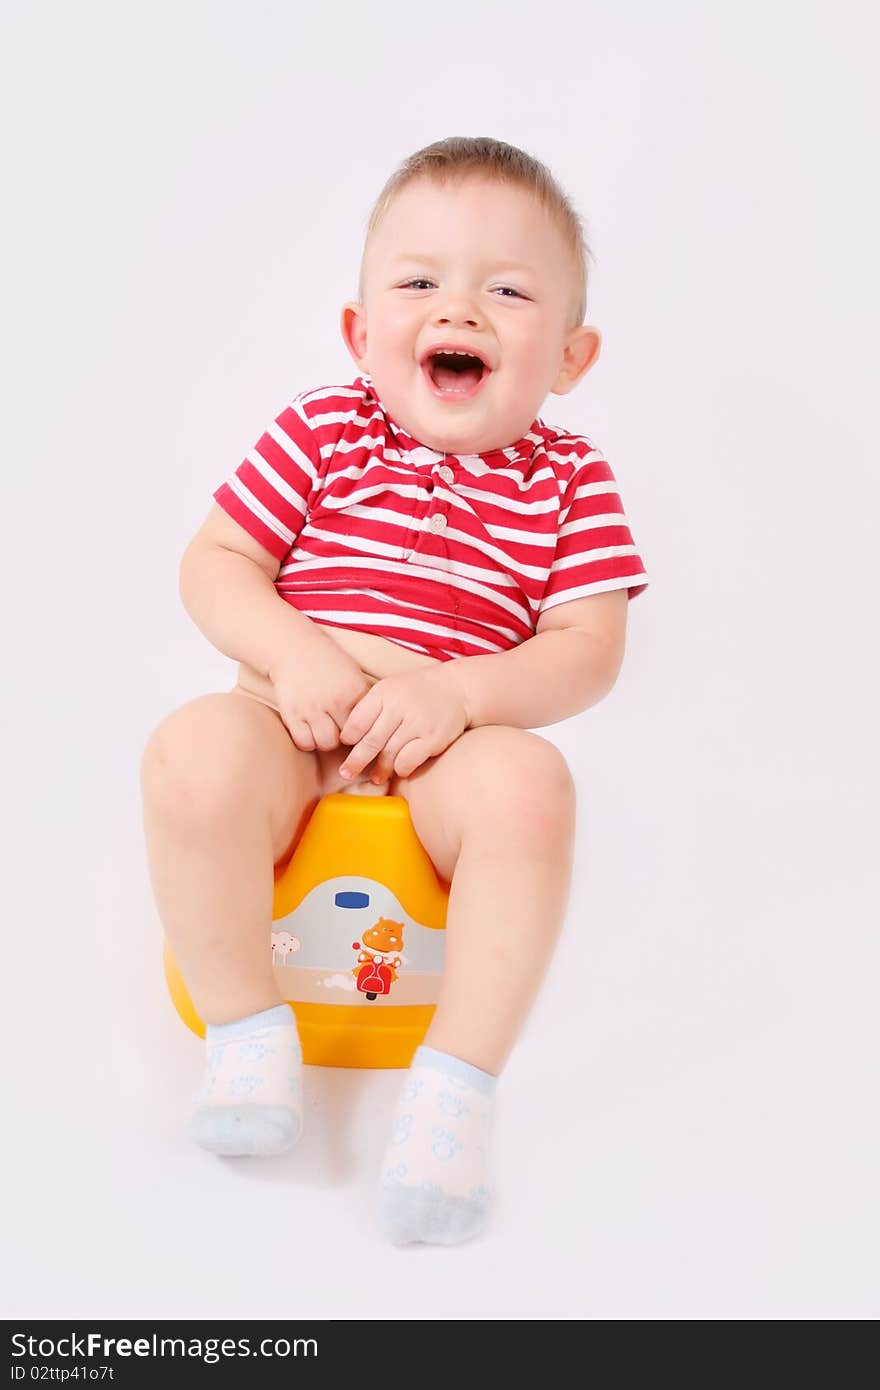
{"x": 582, "y": 348}
{"x": 353, "y": 326}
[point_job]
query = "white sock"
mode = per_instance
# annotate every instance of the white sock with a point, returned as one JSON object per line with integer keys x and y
{"x": 251, "y": 1097}
{"x": 435, "y": 1173}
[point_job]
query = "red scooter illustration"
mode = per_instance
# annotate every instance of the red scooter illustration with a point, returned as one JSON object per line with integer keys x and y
{"x": 378, "y": 964}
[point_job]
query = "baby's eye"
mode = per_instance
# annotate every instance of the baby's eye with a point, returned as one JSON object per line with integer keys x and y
{"x": 410, "y": 283}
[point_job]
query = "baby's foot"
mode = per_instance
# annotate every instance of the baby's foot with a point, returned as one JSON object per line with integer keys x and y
{"x": 435, "y": 1178}
{"x": 251, "y": 1097}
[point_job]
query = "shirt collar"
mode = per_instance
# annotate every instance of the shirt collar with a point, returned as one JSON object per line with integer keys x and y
{"x": 520, "y": 451}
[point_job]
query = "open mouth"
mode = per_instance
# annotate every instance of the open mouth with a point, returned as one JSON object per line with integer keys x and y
{"x": 454, "y": 376}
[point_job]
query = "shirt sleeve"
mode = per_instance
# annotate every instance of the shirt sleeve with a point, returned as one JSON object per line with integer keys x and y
{"x": 269, "y": 492}
{"x": 594, "y": 546}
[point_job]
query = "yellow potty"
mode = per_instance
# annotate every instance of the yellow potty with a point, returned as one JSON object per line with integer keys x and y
{"x": 357, "y": 935}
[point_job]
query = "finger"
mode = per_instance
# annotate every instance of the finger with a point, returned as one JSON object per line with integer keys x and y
{"x": 366, "y": 749}
{"x": 325, "y": 731}
{"x": 383, "y": 770}
{"x": 302, "y": 735}
{"x": 410, "y": 757}
{"x": 361, "y": 717}
{"x": 363, "y": 752}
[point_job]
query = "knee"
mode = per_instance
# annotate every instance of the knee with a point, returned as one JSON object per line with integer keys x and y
{"x": 189, "y": 765}
{"x": 520, "y": 780}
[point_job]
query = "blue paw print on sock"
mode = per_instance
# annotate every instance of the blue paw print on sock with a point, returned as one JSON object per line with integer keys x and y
{"x": 453, "y": 1106}
{"x": 391, "y": 1177}
{"x": 245, "y": 1085}
{"x": 479, "y": 1195}
{"x": 412, "y": 1088}
{"x": 253, "y": 1051}
{"x": 445, "y": 1145}
{"x": 402, "y": 1129}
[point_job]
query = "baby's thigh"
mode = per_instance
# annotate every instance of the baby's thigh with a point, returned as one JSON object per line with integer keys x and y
{"x": 230, "y": 751}
{"x": 509, "y": 783}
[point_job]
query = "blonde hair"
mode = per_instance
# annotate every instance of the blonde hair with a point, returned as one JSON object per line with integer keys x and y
{"x": 460, "y": 157}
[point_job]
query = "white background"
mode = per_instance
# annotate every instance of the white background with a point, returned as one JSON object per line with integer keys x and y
{"x": 687, "y": 1128}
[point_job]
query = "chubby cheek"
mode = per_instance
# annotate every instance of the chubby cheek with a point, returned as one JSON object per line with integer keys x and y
{"x": 519, "y": 381}
{"x": 531, "y": 355}
{"x": 533, "y": 370}
{"x": 394, "y": 369}
{"x": 397, "y": 349}
{"x": 392, "y": 335}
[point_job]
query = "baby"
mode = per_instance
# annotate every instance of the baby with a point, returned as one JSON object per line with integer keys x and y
{"x": 413, "y": 571}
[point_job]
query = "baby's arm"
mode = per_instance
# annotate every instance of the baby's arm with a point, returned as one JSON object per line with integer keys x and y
{"x": 227, "y": 586}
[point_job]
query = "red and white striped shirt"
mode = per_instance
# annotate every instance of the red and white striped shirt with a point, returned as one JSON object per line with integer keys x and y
{"x": 448, "y": 554}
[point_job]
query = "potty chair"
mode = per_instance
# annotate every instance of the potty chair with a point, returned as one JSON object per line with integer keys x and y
{"x": 357, "y": 935}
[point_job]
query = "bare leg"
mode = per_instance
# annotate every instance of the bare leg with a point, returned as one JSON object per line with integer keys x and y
{"x": 509, "y": 797}
{"x": 496, "y": 815}
{"x": 506, "y": 905}
{"x": 224, "y": 792}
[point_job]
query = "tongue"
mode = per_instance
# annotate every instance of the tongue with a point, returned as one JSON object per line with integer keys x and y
{"x": 456, "y": 378}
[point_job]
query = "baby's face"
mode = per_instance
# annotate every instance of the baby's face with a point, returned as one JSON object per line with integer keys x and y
{"x": 480, "y": 265}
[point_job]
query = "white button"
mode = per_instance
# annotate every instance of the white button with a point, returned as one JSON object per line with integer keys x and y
{"x": 437, "y": 522}
{"x": 446, "y": 474}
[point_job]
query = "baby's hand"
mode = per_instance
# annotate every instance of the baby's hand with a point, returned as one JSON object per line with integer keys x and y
{"x": 316, "y": 687}
{"x": 402, "y": 721}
